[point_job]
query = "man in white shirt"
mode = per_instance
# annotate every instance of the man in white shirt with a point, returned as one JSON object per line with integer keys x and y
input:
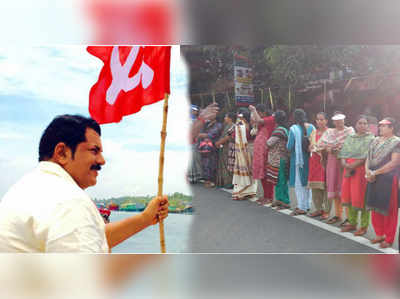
{"x": 48, "y": 210}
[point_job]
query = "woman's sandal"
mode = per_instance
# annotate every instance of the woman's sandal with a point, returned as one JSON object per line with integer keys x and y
{"x": 333, "y": 220}
{"x": 324, "y": 216}
{"x": 315, "y": 214}
{"x": 282, "y": 207}
{"x": 268, "y": 201}
{"x": 377, "y": 240}
{"x": 345, "y": 222}
{"x": 298, "y": 212}
{"x": 362, "y": 231}
{"x": 385, "y": 244}
{"x": 348, "y": 228}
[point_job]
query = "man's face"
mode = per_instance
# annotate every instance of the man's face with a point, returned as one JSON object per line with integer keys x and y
{"x": 88, "y": 156}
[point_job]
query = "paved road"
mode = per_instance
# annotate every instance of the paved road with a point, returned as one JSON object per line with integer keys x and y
{"x": 223, "y": 225}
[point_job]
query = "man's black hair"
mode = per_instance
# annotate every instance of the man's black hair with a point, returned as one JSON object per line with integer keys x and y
{"x": 66, "y": 128}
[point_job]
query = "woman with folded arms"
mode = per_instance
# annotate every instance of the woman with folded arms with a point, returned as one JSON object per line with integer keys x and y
{"x": 354, "y": 184}
{"x": 381, "y": 171}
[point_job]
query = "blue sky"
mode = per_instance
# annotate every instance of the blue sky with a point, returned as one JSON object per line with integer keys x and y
{"x": 38, "y": 83}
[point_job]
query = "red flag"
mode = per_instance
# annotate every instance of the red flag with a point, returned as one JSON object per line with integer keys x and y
{"x": 132, "y": 76}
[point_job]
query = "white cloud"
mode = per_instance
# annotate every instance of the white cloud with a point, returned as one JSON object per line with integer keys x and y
{"x": 61, "y": 74}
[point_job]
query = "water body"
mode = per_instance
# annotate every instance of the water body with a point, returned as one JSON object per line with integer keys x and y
{"x": 176, "y": 229}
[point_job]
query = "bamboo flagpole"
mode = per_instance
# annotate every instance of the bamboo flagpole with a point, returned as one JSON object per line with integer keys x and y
{"x": 294, "y": 100}
{"x": 270, "y": 99}
{"x": 161, "y": 167}
{"x": 324, "y": 95}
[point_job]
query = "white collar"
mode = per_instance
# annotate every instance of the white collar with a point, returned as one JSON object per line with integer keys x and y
{"x": 56, "y": 169}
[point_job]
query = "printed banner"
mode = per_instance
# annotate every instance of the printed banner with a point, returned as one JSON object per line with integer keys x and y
{"x": 244, "y": 93}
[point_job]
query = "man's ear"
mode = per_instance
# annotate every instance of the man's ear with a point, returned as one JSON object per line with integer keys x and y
{"x": 62, "y": 153}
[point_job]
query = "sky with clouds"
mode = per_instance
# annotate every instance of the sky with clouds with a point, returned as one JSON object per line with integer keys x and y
{"x": 38, "y": 83}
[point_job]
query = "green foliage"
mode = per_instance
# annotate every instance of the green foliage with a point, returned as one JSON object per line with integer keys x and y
{"x": 297, "y": 65}
{"x": 208, "y": 65}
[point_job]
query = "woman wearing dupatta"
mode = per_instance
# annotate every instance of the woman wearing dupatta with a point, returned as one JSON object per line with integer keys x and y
{"x": 226, "y": 148}
{"x": 317, "y": 170}
{"x": 277, "y": 162}
{"x": 332, "y": 141}
{"x": 244, "y": 187}
{"x": 298, "y": 177}
{"x": 381, "y": 169}
{"x": 353, "y": 155}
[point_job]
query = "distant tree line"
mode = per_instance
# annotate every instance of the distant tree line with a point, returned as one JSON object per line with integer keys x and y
{"x": 176, "y": 199}
{"x": 281, "y": 66}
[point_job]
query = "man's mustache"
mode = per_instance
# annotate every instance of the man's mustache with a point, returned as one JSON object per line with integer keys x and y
{"x": 95, "y": 167}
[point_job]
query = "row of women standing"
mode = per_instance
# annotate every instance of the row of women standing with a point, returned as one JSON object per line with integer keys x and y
{"x": 334, "y": 167}
{"x": 338, "y": 167}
